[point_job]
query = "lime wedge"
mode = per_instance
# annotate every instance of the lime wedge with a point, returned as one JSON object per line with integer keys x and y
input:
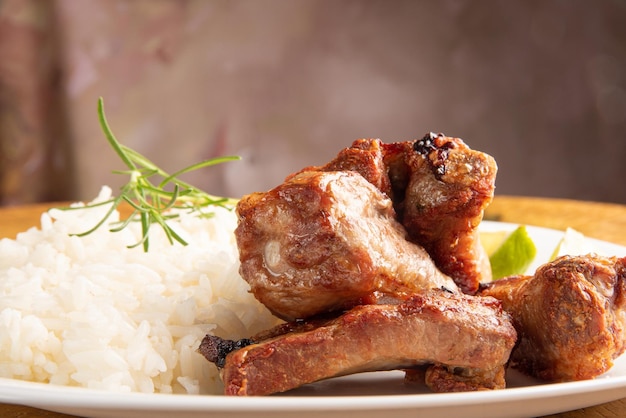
{"x": 514, "y": 255}
{"x": 492, "y": 240}
{"x": 572, "y": 243}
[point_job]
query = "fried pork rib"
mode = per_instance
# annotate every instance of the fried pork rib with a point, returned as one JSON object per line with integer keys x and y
{"x": 443, "y": 379}
{"x": 368, "y": 158}
{"x": 570, "y": 316}
{"x": 354, "y": 236}
{"x": 440, "y": 189}
{"x": 463, "y": 341}
{"x": 448, "y": 188}
{"x": 326, "y": 241}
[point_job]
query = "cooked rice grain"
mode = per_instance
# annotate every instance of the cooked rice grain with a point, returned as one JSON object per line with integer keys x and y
{"x": 91, "y": 312}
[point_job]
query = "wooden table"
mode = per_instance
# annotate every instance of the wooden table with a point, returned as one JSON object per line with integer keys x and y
{"x": 597, "y": 220}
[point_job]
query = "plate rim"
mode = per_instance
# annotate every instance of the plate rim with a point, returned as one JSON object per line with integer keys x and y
{"x": 55, "y": 397}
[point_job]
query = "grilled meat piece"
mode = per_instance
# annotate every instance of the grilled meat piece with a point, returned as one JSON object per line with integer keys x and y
{"x": 439, "y": 329}
{"x": 334, "y": 238}
{"x": 448, "y": 187}
{"x": 440, "y": 189}
{"x": 325, "y": 241}
{"x": 570, "y": 316}
{"x": 364, "y": 156}
{"x": 443, "y": 379}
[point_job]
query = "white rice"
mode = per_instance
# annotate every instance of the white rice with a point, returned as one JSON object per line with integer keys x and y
{"x": 91, "y": 312}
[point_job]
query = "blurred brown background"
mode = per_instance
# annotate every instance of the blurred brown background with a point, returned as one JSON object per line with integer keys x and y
{"x": 540, "y": 85}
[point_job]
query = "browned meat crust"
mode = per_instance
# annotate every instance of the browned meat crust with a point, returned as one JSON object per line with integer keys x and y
{"x": 375, "y": 259}
{"x": 442, "y": 378}
{"x": 436, "y": 328}
{"x": 449, "y": 187}
{"x": 440, "y": 189}
{"x": 325, "y": 241}
{"x": 570, "y": 316}
{"x": 366, "y": 157}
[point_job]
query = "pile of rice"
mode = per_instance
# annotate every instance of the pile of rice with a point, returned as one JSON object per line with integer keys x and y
{"x": 91, "y": 312}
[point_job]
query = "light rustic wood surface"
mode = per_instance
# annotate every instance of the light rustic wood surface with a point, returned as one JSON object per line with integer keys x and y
{"x": 598, "y": 220}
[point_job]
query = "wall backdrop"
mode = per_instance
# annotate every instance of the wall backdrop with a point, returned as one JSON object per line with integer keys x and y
{"x": 540, "y": 85}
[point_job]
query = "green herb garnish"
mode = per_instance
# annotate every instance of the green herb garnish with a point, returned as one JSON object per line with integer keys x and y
{"x": 151, "y": 201}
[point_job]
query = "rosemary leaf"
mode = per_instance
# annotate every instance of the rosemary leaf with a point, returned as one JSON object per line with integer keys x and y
{"x": 153, "y": 204}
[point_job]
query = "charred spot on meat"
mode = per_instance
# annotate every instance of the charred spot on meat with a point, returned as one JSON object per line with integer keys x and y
{"x": 215, "y": 349}
{"x": 427, "y": 146}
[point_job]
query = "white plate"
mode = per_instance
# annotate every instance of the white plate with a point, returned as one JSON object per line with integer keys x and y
{"x": 378, "y": 395}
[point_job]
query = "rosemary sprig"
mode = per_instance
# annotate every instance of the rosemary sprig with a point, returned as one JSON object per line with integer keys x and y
{"x": 151, "y": 201}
